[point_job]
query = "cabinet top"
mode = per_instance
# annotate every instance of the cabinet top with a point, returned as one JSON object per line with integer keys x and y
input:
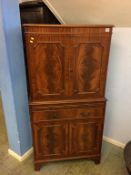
{"x": 71, "y": 26}
{"x": 44, "y": 29}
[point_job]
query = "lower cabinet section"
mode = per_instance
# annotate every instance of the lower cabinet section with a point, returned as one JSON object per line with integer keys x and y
{"x": 62, "y": 137}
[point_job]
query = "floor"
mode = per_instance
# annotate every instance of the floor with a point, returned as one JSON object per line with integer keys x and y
{"x": 112, "y": 162}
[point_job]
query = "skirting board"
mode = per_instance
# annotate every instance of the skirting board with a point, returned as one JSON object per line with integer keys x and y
{"x": 30, "y": 151}
{"x": 114, "y": 142}
{"x": 18, "y": 157}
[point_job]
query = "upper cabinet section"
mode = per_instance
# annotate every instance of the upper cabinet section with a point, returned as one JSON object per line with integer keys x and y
{"x": 67, "y": 62}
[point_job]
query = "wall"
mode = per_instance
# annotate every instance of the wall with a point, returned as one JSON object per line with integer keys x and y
{"x": 24, "y": 0}
{"x": 94, "y": 12}
{"x": 12, "y": 78}
{"x": 6, "y": 88}
{"x": 118, "y": 91}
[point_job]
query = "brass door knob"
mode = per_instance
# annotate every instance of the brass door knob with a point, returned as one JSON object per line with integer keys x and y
{"x": 31, "y": 41}
{"x": 32, "y": 38}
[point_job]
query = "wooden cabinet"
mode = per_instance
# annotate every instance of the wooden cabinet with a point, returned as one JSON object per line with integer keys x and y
{"x": 67, "y": 68}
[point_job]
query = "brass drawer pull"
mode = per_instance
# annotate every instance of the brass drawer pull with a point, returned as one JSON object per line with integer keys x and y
{"x": 62, "y": 91}
{"x": 55, "y": 116}
{"x": 75, "y": 91}
{"x": 83, "y": 114}
{"x": 52, "y": 116}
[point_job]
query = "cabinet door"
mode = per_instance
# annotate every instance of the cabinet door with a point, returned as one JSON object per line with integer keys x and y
{"x": 88, "y": 65}
{"x": 85, "y": 137}
{"x": 50, "y": 139}
{"x": 46, "y": 61}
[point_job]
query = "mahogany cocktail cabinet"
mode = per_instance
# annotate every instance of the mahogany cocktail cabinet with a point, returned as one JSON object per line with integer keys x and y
{"x": 66, "y": 73}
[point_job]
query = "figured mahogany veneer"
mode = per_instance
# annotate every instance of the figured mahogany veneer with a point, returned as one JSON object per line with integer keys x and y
{"x": 67, "y": 68}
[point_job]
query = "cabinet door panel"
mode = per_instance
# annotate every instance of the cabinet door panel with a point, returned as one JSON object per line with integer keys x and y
{"x": 50, "y": 139}
{"x": 46, "y": 67}
{"x": 85, "y": 137}
{"x": 88, "y": 67}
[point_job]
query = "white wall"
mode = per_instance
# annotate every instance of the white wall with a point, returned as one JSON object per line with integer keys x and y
{"x": 118, "y": 91}
{"x": 94, "y": 12}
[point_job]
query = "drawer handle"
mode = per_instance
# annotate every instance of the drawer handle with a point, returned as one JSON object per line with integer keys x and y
{"x": 55, "y": 116}
{"x": 62, "y": 91}
{"x": 75, "y": 91}
{"x": 83, "y": 114}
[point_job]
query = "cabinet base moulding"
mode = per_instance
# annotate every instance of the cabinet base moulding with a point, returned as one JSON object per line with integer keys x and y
{"x": 39, "y": 163}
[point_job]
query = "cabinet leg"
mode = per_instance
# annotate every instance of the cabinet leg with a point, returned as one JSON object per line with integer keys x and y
{"x": 37, "y": 167}
{"x": 97, "y": 160}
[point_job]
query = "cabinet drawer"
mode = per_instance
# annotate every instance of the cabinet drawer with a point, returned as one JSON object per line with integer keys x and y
{"x": 68, "y": 113}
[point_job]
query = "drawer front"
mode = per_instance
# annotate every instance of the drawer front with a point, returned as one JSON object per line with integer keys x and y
{"x": 68, "y": 113}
